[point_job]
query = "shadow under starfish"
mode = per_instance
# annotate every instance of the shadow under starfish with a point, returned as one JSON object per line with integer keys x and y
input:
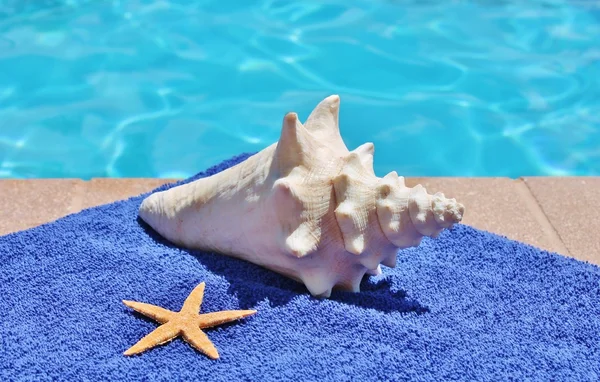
{"x": 187, "y": 323}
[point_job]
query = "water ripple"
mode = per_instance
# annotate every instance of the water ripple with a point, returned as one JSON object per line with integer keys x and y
{"x": 156, "y": 87}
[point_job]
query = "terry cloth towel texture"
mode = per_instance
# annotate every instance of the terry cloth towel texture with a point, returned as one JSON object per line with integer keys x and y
{"x": 469, "y": 305}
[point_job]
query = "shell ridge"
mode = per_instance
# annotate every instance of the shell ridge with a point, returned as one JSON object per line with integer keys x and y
{"x": 297, "y": 237}
{"x": 352, "y": 211}
{"x": 420, "y": 207}
{"x": 393, "y": 211}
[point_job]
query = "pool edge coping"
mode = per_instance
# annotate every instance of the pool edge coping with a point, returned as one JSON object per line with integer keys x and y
{"x": 550, "y": 213}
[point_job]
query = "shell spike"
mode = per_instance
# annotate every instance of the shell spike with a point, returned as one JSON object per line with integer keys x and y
{"x": 370, "y": 261}
{"x": 351, "y": 219}
{"x": 317, "y": 284}
{"x": 393, "y": 176}
{"x": 365, "y": 153}
{"x": 323, "y": 123}
{"x": 391, "y": 258}
{"x": 421, "y": 213}
{"x": 291, "y": 148}
{"x": 375, "y": 272}
{"x": 351, "y": 281}
{"x": 401, "y": 182}
{"x": 325, "y": 117}
{"x": 352, "y": 224}
{"x": 391, "y": 261}
{"x": 355, "y": 194}
{"x": 446, "y": 211}
{"x": 301, "y": 242}
{"x": 298, "y": 236}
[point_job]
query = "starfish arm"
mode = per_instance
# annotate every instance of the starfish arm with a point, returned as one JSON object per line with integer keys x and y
{"x": 158, "y": 336}
{"x": 194, "y": 300}
{"x": 157, "y": 313}
{"x": 217, "y": 318}
{"x": 198, "y": 339}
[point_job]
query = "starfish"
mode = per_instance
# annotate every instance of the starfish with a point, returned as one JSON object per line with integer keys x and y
{"x": 187, "y": 323}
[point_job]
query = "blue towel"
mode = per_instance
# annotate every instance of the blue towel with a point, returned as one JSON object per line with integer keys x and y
{"x": 467, "y": 306}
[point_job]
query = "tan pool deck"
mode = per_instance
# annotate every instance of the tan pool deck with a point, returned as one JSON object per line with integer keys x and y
{"x": 560, "y": 214}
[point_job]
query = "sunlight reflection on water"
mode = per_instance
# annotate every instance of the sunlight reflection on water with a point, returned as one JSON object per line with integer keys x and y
{"x": 156, "y": 88}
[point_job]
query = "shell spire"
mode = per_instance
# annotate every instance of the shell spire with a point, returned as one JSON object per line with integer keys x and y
{"x": 407, "y": 214}
{"x": 305, "y": 207}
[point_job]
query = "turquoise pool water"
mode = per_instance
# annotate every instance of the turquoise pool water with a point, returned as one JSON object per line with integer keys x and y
{"x": 168, "y": 88}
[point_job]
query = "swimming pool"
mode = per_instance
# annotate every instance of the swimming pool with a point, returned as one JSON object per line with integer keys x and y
{"x": 169, "y": 88}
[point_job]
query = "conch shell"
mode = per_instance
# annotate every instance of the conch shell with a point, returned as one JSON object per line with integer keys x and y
{"x": 305, "y": 207}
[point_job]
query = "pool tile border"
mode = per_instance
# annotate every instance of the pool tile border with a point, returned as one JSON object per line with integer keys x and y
{"x": 571, "y": 207}
{"x": 552, "y": 213}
